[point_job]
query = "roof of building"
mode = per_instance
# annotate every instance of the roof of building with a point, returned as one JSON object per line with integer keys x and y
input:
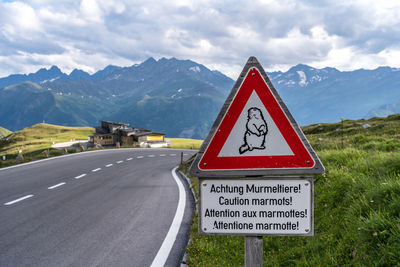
{"x": 130, "y": 129}
{"x": 147, "y": 133}
{"x": 127, "y": 129}
{"x": 102, "y": 134}
{"x": 115, "y": 123}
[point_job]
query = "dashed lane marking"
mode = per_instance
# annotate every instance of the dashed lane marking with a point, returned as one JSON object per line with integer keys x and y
{"x": 80, "y": 176}
{"x": 18, "y": 200}
{"x": 55, "y": 186}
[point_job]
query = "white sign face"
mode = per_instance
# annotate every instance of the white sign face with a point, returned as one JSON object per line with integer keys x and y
{"x": 282, "y": 206}
{"x": 256, "y": 133}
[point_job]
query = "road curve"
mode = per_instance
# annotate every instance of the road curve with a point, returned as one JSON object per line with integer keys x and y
{"x": 103, "y": 208}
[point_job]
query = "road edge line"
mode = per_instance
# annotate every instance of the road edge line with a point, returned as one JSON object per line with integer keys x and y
{"x": 195, "y": 207}
{"x": 166, "y": 247}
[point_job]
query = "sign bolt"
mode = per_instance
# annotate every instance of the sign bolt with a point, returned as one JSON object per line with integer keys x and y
{"x": 307, "y": 230}
{"x": 308, "y": 162}
{"x": 205, "y": 229}
{"x": 204, "y": 184}
{"x": 253, "y": 74}
{"x": 205, "y": 164}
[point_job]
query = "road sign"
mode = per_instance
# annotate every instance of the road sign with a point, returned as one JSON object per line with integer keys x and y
{"x": 255, "y": 134}
{"x": 277, "y": 206}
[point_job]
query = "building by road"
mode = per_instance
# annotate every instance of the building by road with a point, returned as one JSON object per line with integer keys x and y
{"x": 121, "y": 134}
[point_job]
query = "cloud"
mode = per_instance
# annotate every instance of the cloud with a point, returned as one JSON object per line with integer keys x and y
{"x": 91, "y": 34}
{"x": 19, "y": 19}
{"x": 91, "y": 11}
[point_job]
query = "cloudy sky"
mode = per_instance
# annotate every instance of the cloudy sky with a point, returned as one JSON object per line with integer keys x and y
{"x": 91, "y": 34}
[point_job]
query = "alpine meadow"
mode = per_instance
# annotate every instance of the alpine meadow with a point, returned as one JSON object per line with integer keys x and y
{"x": 357, "y": 204}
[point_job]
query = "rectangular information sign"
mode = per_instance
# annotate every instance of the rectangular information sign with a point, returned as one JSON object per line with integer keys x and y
{"x": 277, "y": 206}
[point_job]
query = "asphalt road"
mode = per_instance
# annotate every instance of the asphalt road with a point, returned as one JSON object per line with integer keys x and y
{"x": 103, "y": 208}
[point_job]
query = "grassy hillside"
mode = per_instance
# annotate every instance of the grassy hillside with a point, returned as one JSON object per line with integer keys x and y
{"x": 357, "y": 204}
{"x": 185, "y": 143}
{"x": 4, "y": 132}
{"x": 41, "y": 136}
{"x": 33, "y": 140}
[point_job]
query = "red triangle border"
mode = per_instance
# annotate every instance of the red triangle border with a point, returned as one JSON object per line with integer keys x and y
{"x": 253, "y": 81}
{"x": 303, "y": 161}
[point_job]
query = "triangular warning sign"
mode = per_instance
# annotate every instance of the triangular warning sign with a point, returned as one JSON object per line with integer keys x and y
{"x": 255, "y": 134}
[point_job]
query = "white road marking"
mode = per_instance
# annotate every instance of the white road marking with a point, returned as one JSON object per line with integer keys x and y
{"x": 172, "y": 154}
{"x": 62, "y": 156}
{"x": 18, "y": 200}
{"x": 119, "y": 161}
{"x": 55, "y": 186}
{"x": 185, "y": 154}
{"x": 95, "y": 170}
{"x": 140, "y": 157}
{"x": 151, "y": 156}
{"x": 73, "y": 155}
{"x": 109, "y": 165}
{"x": 165, "y": 249}
{"x": 162, "y": 155}
{"x": 80, "y": 176}
{"x": 129, "y": 159}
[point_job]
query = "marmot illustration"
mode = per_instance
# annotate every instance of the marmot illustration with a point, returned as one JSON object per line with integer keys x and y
{"x": 256, "y": 131}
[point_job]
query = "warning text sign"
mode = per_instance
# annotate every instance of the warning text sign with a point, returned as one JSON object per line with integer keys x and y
{"x": 280, "y": 206}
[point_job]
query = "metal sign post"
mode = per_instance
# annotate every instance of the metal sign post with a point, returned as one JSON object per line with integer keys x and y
{"x": 253, "y": 251}
{"x": 255, "y": 135}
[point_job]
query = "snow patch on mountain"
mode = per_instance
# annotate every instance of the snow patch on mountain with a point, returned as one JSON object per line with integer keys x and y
{"x": 303, "y": 78}
{"x": 50, "y": 80}
{"x": 317, "y": 78}
{"x": 195, "y": 69}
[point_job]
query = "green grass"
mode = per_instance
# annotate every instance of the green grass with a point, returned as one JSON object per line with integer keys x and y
{"x": 184, "y": 143}
{"x": 40, "y": 137}
{"x": 4, "y": 132}
{"x": 37, "y": 138}
{"x": 357, "y": 204}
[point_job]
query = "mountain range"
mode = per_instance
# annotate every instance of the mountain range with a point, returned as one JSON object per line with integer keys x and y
{"x": 182, "y": 98}
{"x": 178, "y": 97}
{"x": 327, "y": 95}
